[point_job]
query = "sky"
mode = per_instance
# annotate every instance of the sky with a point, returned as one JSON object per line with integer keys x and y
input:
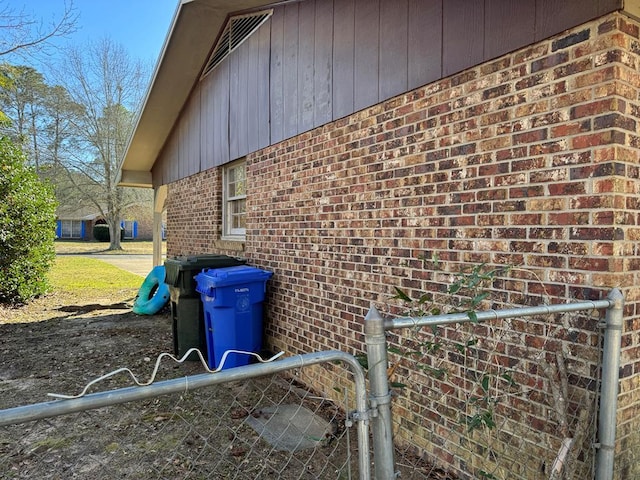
{"x": 139, "y": 25}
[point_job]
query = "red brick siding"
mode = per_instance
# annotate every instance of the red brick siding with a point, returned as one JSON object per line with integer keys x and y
{"x": 194, "y": 217}
{"x": 530, "y": 160}
{"x": 143, "y": 214}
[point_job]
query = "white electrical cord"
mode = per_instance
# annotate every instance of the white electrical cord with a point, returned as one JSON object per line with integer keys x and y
{"x": 157, "y": 366}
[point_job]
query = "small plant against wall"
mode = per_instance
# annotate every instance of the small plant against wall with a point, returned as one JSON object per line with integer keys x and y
{"x": 501, "y": 391}
{"x": 469, "y": 289}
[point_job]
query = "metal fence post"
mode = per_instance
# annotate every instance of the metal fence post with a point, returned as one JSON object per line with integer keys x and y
{"x": 379, "y": 395}
{"x": 609, "y": 387}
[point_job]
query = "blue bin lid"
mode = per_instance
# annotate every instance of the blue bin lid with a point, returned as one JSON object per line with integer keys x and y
{"x": 223, "y": 277}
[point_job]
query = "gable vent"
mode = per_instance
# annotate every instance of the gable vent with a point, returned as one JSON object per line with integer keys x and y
{"x": 236, "y": 31}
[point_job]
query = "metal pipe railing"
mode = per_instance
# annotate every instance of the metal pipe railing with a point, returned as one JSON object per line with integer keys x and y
{"x": 463, "y": 317}
{"x": 609, "y": 387}
{"x": 380, "y": 396}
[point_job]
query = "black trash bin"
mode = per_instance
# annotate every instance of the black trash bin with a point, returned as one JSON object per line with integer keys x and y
{"x": 187, "y": 312}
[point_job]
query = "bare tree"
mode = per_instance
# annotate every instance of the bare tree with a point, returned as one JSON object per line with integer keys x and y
{"x": 23, "y": 33}
{"x": 109, "y": 87}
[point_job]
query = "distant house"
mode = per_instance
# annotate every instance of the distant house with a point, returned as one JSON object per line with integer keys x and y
{"x": 77, "y": 223}
{"x": 333, "y": 141}
{"x": 138, "y": 222}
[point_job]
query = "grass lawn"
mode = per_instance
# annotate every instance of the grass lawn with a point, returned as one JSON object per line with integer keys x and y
{"x": 75, "y": 281}
{"x": 79, "y": 280}
{"x": 85, "y": 277}
{"x": 128, "y": 246}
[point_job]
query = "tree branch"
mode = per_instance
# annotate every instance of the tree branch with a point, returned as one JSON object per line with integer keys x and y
{"x": 21, "y": 36}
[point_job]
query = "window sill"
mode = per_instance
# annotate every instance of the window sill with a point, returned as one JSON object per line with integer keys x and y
{"x": 234, "y": 244}
{"x": 234, "y": 238}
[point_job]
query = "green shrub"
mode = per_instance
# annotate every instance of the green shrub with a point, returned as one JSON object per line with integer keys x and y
{"x": 27, "y": 227}
{"x": 101, "y": 232}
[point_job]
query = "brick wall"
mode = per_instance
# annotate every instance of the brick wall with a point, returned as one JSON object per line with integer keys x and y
{"x": 194, "y": 217}
{"x": 143, "y": 214}
{"x": 529, "y": 160}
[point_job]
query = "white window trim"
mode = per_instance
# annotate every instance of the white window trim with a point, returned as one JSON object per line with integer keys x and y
{"x": 228, "y": 233}
{"x": 74, "y": 226}
{"x": 128, "y": 229}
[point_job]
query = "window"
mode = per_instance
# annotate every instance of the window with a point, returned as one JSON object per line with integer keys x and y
{"x": 71, "y": 229}
{"x": 234, "y": 190}
{"x": 130, "y": 229}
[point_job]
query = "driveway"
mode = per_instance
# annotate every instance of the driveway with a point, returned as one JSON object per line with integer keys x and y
{"x": 134, "y": 263}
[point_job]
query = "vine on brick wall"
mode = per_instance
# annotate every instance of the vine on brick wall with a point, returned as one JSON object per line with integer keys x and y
{"x": 469, "y": 289}
{"x": 483, "y": 377}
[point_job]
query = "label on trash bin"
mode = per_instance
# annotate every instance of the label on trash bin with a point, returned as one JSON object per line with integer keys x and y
{"x": 243, "y": 302}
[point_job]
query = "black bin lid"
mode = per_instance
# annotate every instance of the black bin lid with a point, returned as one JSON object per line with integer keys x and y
{"x": 189, "y": 263}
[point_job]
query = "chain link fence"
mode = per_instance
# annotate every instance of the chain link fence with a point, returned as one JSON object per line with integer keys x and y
{"x": 491, "y": 413}
{"x": 508, "y": 394}
{"x": 272, "y": 426}
{"x": 514, "y": 397}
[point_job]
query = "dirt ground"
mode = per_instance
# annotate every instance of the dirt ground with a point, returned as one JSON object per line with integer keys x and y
{"x": 82, "y": 342}
{"x": 60, "y": 343}
{"x": 202, "y": 434}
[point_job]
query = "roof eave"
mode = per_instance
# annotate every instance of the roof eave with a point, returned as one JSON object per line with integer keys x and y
{"x": 135, "y": 178}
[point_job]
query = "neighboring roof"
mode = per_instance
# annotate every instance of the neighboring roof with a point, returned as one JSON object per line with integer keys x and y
{"x": 77, "y": 213}
{"x": 196, "y": 25}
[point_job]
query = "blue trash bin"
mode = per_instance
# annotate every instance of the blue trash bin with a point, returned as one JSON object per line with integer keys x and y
{"x": 232, "y": 300}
